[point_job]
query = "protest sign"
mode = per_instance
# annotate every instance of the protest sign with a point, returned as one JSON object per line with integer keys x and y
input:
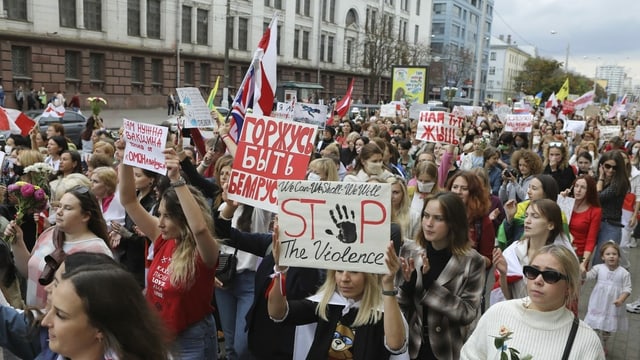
{"x": 470, "y": 110}
{"x": 388, "y": 110}
{"x": 269, "y": 149}
{"x": 566, "y": 204}
{"x": 144, "y": 146}
{"x": 310, "y": 114}
{"x": 502, "y": 111}
{"x": 196, "y": 112}
{"x": 609, "y": 131}
{"x": 636, "y": 137}
{"x": 576, "y": 126}
{"x": 438, "y": 126}
{"x": 521, "y": 123}
{"x": 334, "y": 225}
{"x": 416, "y": 109}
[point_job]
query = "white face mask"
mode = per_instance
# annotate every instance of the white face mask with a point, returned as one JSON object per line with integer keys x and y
{"x": 425, "y": 187}
{"x": 313, "y": 177}
{"x": 7, "y": 149}
{"x": 536, "y": 140}
{"x": 372, "y": 168}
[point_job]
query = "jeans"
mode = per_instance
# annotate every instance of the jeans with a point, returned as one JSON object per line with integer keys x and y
{"x": 607, "y": 232}
{"x": 233, "y": 304}
{"x": 198, "y": 342}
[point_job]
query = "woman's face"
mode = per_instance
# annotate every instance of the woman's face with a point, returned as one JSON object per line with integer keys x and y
{"x": 584, "y": 164}
{"x": 70, "y": 332}
{"x": 225, "y": 173}
{"x": 350, "y": 284}
{"x": 547, "y": 297}
{"x": 399, "y": 133}
{"x": 346, "y": 128}
{"x": 610, "y": 168}
{"x": 39, "y": 140}
{"x": 535, "y": 224}
{"x": 70, "y": 217}
{"x": 555, "y": 155}
{"x": 580, "y": 189}
{"x": 460, "y": 187}
{"x": 434, "y": 226}
{"x": 524, "y": 168}
{"x": 169, "y": 229}
{"x": 66, "y": 164}
{"x": 535, "y": 191}
{"x": 141, "y": 181}
{"x": 359, "y": 145}
{"x": 98, "y": 187}
{"x": 396, "y": 195}
{"x": 51, "y": 131}
{"x": 53, "y": 148}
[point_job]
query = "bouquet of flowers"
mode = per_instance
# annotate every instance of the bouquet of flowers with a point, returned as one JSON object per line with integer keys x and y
{"x": 29, "y": 200}
{"x": 96, "y": 103}
{"x": 506, "y": 352}
{"x": 40, "y": 173}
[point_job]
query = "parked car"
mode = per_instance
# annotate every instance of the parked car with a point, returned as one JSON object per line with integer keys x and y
{"x": 72, "y": 122}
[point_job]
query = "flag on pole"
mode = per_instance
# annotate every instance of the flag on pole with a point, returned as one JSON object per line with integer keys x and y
{"x": 15, "y": 121}
{"x": 342, "y": 107}
{"x": 538, "y": 98}
{"x": 617, "y": 106}
{"x": 548, "y": 106}
{"x": 564, "y": 91}
{"x": 53, "y": 111}
{"x": 584, "y": 100}
{"x": 212, "y": 95}
{"x": 258, "y": 87}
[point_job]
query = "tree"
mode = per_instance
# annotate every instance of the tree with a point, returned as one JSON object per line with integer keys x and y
{"x": 547, "y": 75}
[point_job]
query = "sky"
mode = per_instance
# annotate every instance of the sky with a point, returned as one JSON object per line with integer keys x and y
{"x": 599, "y": 32}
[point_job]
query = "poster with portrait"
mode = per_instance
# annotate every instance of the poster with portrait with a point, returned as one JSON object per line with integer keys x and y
{"x": 334, "y": 225}
{"x": 409, "y": 84}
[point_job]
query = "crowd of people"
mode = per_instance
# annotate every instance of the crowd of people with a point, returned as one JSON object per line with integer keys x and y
{"x": 187, "y": 270}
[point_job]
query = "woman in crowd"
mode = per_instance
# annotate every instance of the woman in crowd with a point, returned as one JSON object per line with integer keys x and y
{"x": 373, "y": 330}
{"x": 103, "y": 147}
{"x": 181, "y": 274}
{"x": 585, "y": 219}
{"x": 613, "y": 184}
{"x": 516, "y": 186}
{"x": 493, "y": 169}
{"x": 496, "y": 210}
{"x": 79, "y": 227}
{"x": 539, "y": 325}
{"x": 55, "y": 146}
{"x": 348, "y": 153}
{"x": 400, "y": 213}
{"x": 368, "y": 163}
{"x": 557, "y": 164}
{"x": 104, "y": 182}
{"x": 584, "y": 164}
{"x": 87, "y": 321}
{"x": 322, "y": 169}
{"x": 70, "y": 163}
{"x": 426, "y": 182}
{"x": 542, "y": 226}
{"x": 443, "y": 285}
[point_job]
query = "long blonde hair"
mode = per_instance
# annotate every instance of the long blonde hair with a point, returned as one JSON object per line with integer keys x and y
{"x": 370, "y": 310}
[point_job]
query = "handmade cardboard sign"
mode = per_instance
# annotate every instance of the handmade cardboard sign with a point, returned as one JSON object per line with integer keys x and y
{"x": 439, "y": 126}
{"x": 269, "y": 149}
{"x": 334, "y": 225}
{"x": 144, "y": 146}
{"x": 196, "y": 112}
{"x": 518, "y": 123}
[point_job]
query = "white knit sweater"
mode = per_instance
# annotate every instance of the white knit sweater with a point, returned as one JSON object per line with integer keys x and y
{"x": 540, "y": 334}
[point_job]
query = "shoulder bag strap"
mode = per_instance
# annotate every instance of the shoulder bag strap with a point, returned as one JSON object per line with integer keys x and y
{"x": 572, "y": 336}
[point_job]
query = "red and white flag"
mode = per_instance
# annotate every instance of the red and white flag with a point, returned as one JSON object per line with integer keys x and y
{"x": 548, "y": 106}
{"x": 617, "y": 107}
{"x": 53, "y": 111}
{"x": 585, "y": 100}
{"x": 258, "y": 88}
{"x": 342, "y": 107}
{"x": 15, "y": 121}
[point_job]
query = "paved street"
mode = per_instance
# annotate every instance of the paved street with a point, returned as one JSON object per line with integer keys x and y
{"x": 113, "y": 117}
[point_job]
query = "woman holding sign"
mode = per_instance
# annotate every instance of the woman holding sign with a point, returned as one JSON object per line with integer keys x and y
{"x": 443, "y": 285}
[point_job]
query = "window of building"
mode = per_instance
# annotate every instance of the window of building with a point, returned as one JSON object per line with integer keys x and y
{"x": 437, "y": 28}
{"x": 133, "y": 17}
{"x": 186, "y": 24}
{"x": 297, "y": 76}
{"x": 416, "y": 34}
{"x": 305, "y": 45}
{"x": 20, "y": 61}
{"x": 243, "y": 36}
{"x": 455, "y": 30}
{"x": 439, "y": 8}
{"x": 67, "y": 13}
{"x": 330, "y": 41}
{"x": 203, "y": 27}
{"x": 348, "y": 52}
{"x": 492, "y": 70}
{"x": 296, "y": 43}
{"x": 307, "y": 77}
{"x": 277, "y": 4}
{"x": 490, "y": 84}
{"x": 493, "y": 55}
{"x": 303, "y": 7}
{"x": 137, "y": 70}
{"x": 417, "y": 7}
{"x": 93, "y": 15}
{"x": 329, "y": 11}
{"x": 156, "y": 71}
{"x": 402, "y": 30}
{"x": 457, "y": 11}
{"x": 404, "y": 5}
{"x": 96, "y": 66}
{"x": 205, "y": 75}
{"x": 189, "y": 68}
{"x": 72, "y": 65}
{"x": 323, "y": 40}
{"x": 16, "y": 9}
{"x": 153, "y": 19}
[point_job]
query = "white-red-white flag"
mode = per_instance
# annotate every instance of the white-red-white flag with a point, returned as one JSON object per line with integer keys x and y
{"x": 342, "y": 107}
{"x": 548, "y": 106}
{"x": 585, "y": 100}
{"x": 53, "y": 111}
{"x": 15, "y": 121}
{"x": 617, "y": 107}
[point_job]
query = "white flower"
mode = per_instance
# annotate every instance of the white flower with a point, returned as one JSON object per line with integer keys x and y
{"x": 39, "y": 167}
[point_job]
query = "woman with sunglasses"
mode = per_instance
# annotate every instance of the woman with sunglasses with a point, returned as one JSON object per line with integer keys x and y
{"x": 542, "y": 226}
{"x": 557, "y": 164}
{"x": 613, "y": 184}
{"x": 540, "y": 324}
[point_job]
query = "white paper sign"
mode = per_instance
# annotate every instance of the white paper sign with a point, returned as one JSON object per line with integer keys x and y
{"x": 334, "y": 225}
{"x": 145, "y": 144}
{"x": 521, "y": 123}
{"x": 609, "y": 131}
{"x": 388, "y": 110}
{"x": 637, "y": 134}
{"x": 577, "y": 126}
{"x": 439, "y": 126}
{"x": 415, "y": 109}
{"x": 310, "y": 114}
{"x": 566, "y": 205}
{"x": 196, "y": 111}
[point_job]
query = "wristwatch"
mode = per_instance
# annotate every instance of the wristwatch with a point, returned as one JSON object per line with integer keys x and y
{"x": 178, "y": 183}
{"x": 393, "y": 292}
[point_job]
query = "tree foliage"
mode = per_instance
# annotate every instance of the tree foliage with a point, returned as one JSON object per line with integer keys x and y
{"x": 547, "y": 75}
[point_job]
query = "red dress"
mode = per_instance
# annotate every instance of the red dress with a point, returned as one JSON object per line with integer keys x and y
{"x": 584, "y": 228}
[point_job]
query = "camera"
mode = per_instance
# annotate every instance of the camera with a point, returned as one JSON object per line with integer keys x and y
{"x": 509, "y": 172}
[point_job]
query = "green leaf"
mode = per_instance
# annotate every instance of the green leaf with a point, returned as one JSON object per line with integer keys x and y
{"x": 503, "y": 356}
{"x": 498, "y": 342}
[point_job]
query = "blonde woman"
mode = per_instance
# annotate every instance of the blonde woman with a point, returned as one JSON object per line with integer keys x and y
{"x": 323, "y": 169}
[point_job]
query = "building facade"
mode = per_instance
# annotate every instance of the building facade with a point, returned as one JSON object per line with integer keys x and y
{"x": 506, "y": 61}
{"x": 134, "y": 52}
{"x": 615, "y": 77}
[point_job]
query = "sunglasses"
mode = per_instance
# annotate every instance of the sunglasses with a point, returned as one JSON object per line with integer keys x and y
{"x": 555, "y": 144}
{"x": 609, "y": 166}
{"x": 549, "y": 276}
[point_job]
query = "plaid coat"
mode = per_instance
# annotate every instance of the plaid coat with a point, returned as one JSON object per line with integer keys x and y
{"x": 453, "y": 301}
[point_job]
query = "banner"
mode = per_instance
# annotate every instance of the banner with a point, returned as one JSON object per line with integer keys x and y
{"x": 145, "y": 144}
{"x": 577, "y": 126}
{"x": 310, "y": 114}
{"x": 416, "y": 109}
{"x": 607, "y": 132}
{"x": 334, "y": 225}
{"x": 269, "y": 149}
{"x": 409, "y": 84}
{"x": 439, "y": 126}
{"x": 520, "y": 123}
{"x": 196, "y": 112}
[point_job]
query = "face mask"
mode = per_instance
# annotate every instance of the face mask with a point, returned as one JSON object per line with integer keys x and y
{"x": 313, "y": 177}
{"x": 373, "y": 168}
{"x": 503, "y": 147}
{"x": 536, "y": 140}
{"x": 7, "y": 149}
{"x": 18, "y": 169}
{"x": 519, "y": 143}
{"x": 425, "y": 187}
{"x": 634, "y": 151}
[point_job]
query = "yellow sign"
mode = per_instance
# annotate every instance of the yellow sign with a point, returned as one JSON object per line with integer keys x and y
{"x": 409, "y": 84}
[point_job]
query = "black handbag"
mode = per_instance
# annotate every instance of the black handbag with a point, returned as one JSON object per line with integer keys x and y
{"x": 226, "y": 270}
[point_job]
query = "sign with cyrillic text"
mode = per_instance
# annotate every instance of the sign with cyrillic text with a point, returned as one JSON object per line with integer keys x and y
{"x": 518, "y": 123}
{"x": 269, "y": 149}
{"x": 144, "y": 146}
{"x": 334, "y": 225}
{"x": 439, "y": 126}
{"x": 196, "y": 112}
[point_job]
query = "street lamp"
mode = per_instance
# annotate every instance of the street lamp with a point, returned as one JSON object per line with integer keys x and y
{"x": 450, "y": 92}
{"x": 566, "y": 59}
